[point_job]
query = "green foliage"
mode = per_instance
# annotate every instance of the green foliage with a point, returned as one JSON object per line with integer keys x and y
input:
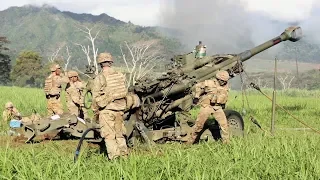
{"x": 28, "y": 70}
{"x": 44, "y": 29}
{"x": 287, "y": 155}
{"x": 5, "y": 62}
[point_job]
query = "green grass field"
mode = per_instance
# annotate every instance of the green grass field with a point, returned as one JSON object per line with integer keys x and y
{"x": 288, "y": 155}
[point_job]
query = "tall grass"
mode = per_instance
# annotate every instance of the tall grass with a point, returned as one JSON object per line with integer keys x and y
{"x": 287, "y": 155}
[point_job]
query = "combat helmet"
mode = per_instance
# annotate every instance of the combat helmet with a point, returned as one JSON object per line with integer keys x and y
{"x": 223, "y": 75}
{"x": 54, "y": 67}
{"x": 8, "y": 105}
{"x": 72, "y": 74}
{"x": 105, "y": 57}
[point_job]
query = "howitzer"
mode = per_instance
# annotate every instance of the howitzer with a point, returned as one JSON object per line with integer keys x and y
{"x": 166, "y": 100}
{"x": 157, "y": 110}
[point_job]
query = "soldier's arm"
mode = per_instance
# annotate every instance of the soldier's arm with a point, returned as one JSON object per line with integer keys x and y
{"x": 199, "y": 89}
{"x": 97, "y": 95}
{"x": 16, "y": 113}
{"x": 64, "y": 79}
{"x": 75, "y": 98}
{"x": 4, "y": 116}
{"x": 95, "y": 88}
{"x": 81, "y": 89}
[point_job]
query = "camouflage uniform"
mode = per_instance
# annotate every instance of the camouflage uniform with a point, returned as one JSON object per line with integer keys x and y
{"x": 108, "y": 94}
{"x": 75, "y": 96}
{"x": 52, "y": 88}
{"x": 10, "y": 113}
{"x": 197, "y": 49}
{"x": 215, "y": 96}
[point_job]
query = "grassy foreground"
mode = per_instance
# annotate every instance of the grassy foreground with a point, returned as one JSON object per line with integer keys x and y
{"x": 288, "y": 155}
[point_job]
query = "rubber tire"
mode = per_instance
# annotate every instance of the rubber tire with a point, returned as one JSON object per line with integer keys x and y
{"x": 235, "y": 121}
{"x": 85, "y": 100}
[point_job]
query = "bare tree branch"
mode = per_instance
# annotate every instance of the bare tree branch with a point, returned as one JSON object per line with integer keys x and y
{"x": 143, "y": 57}
{"x": 86, "y": 50}
{"x": 54, "y": 55}
{"x": 76, "y": 68}
{"x": 68, "y": 59}
{"x": 283, "y": 80}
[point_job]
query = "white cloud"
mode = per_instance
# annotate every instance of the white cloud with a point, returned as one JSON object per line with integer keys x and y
{"x": 142, "y": 12}
{"x": 285, "y": 10}
{"x": 146, "y": 12}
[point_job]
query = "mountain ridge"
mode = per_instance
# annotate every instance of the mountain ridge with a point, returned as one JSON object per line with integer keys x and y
{"x": 44, "y": 28}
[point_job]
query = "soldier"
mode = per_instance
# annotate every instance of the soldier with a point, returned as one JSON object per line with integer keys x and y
{"x": 108, "y": 94}
{"x": 215, "y": 95}
{"x": 52, "y": 88}
{"x": 197, "y": 49}
{"x": 10, "y": 113}
{"x": 75, "y": 96}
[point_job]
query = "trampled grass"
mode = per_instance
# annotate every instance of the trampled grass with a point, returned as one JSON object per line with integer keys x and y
{"x": 287, "y": 155}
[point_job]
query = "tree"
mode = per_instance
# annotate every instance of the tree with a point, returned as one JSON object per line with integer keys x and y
{"x": 28, "y": 70}
{"x": 92, "y": 61}
{"x": 54, "y": 58}
{"x": 5, "y": 62}
{"x": 140, "y": 59}
{"x": 285, "y": 80}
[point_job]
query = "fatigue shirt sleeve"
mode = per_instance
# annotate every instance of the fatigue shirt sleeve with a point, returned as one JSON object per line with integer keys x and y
{"x": 5, "y": 117}
{"x": 199, "y": 89}
{"x": 74, "y": 94}
{"x": 81, "y": 86}
{"x": 16, "y": 114}
{"x": 96, "y": 91}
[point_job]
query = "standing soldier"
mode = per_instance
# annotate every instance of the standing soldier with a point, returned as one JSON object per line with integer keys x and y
{"x": 108, "y": 94}
{"x": 214, "y": 97}
{"x": 75, "y": 96}
{"x": 197, "y": 49}
{"x": 52, "y": 88}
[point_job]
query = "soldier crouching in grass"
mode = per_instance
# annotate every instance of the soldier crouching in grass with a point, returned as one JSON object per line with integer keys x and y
{"x": 9, "y": 114}
{"x": 52, "y": 88}
{"x": 214, "y": 95}
{"x": 108, "y": 93}
{"x": 75, "y": 96}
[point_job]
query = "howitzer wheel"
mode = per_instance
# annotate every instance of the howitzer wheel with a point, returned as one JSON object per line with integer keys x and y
{"x": 236, "y": 125}
{"x": 235, "y": 121}
{"x": 88, "y": 100}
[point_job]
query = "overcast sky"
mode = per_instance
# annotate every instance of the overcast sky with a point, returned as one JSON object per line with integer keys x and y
{"x": 146, "y": 12}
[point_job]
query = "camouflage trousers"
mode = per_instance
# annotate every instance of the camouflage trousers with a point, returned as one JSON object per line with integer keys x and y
{"x": 219, "y": 115}
{"x": 78, "y": 111}
{"x": 54, "y": 106}
{"x": 113, "y": 131}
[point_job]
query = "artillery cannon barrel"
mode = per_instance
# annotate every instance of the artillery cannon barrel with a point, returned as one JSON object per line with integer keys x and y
{"x": 291, "y": 33}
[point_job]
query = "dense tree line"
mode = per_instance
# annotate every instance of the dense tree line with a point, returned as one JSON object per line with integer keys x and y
{"x": 5, "y": 62}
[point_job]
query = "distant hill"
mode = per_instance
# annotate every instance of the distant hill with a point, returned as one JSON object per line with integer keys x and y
{"x": 43, "y": 29}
